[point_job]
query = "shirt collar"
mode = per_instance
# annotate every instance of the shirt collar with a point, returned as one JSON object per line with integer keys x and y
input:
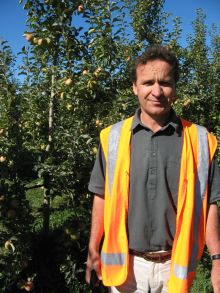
{"x": 173, "y": 121}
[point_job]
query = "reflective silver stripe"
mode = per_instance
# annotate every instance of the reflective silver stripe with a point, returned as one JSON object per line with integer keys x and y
{"x": 200, "y": 189}
{"x": 113, "y": 143}
{"x": 203, "y": 161}
{"x": 113, "y": 258}
{"x": 180, "y": 271}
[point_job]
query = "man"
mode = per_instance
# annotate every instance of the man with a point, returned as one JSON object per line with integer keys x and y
{"x": 156, "y": 183}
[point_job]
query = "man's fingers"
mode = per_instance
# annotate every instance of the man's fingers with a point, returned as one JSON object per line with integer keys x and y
{"x": 88, "y": 276}
{"x": 93, "y": 267}
{"x": 98, "y": 272}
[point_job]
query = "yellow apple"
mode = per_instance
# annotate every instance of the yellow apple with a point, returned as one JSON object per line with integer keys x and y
{"x": 40, "y": 42}
{"x": 2, "y": 198}
{"x": 42, "y": 146}
{"x": 80, "y": 8}
{"x": 35, "y": 40}
{"x": 62, "y": 95}
{"x": 2, "y": 159}
{"x": 28, "y": 36}
{"x": 69, "y": 107}
{"x": 98, "y": 123}
{"x": 94, "y": 150}
{"x": 187, "y": 102}
{"x": 85, "y": 72}
{"x": 29, "y": 286}
{"x": 68, "y": 81}
{"x": 9, "y": 245}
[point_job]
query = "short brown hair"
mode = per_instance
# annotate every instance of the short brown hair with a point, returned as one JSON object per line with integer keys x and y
{"x": 153, "y": 53}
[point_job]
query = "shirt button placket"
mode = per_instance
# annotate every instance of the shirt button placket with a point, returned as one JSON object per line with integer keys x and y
{"x": 153, "y": 170}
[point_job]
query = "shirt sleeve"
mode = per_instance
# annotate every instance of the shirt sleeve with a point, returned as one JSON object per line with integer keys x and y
{"x": 97, "y": 178}
{"x": 214, "y": 182}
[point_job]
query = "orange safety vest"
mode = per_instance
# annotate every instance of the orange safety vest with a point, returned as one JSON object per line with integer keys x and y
{"x": 198, "y": 150}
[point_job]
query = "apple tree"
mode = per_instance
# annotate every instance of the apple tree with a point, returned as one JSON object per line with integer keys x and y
{"x": 16, "y": 219}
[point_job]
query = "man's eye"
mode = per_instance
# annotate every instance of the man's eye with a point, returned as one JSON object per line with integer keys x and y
{"x": 165, "y": 83}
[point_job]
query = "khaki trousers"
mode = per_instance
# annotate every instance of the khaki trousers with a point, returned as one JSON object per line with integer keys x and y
{"x": 145, "y": 277}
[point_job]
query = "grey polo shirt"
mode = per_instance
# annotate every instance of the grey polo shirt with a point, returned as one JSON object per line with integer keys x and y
{"x": 154, "y": 178}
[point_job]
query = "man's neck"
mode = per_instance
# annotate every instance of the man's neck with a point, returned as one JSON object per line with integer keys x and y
{"x": 154, "y": 122}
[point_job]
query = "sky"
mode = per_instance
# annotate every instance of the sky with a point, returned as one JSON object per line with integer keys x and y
{"x": 13, "y": 18}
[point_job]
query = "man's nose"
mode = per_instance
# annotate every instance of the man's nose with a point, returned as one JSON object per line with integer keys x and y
{"x": 156, "y": 89}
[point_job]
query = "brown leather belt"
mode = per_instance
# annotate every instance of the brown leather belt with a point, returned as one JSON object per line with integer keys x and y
{"x": 158, "y": 257}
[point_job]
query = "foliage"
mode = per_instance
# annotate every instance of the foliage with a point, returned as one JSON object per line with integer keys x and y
{"x": 202, "y": 282}
{"x": 74, "y": 80}
{"x": 15, "y": 222}
{"x": 198, "y": 88}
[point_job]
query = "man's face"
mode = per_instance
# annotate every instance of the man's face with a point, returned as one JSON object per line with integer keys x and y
{"x": 155, "y": 88}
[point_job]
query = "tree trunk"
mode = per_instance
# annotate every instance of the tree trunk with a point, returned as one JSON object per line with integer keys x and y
{"x": 46, "y": 200}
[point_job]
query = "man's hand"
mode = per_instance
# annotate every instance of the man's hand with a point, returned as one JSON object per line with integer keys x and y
{"x": 213, "y": 244}
{"x": 93, "y": 263}
{"x": 97, "y": 229}
{"x": 215, "y": 276}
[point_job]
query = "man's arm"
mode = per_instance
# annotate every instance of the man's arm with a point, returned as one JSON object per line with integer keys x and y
{"x": 213, "y": 244}
{"x": 97, "y": 229}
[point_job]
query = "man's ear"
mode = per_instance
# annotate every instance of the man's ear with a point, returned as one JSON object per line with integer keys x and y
{"x": 135, "y": 88}
{"x": 174, "y": 95}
